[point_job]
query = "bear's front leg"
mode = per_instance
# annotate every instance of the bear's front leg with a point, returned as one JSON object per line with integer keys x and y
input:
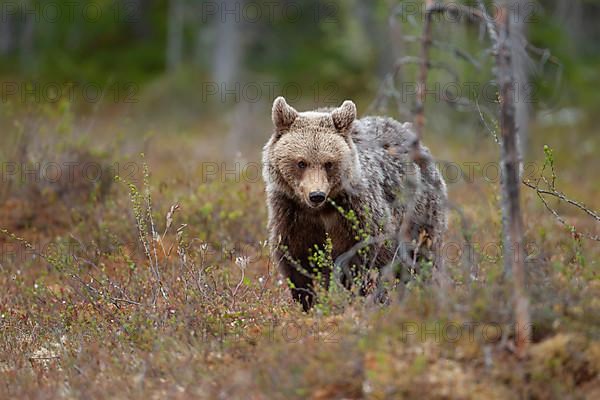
{"x": 300, "y": 281}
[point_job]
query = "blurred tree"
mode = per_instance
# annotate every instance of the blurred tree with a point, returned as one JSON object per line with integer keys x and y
{"x": 26, "y": 39}
{"x": 174, "y": 51}
{"x": 228, "y": 46}
{"x": 376, "y": 34}
{"x": 343, "y": 44}
{"x": 138, "y": 14}
{"x": 6, "y": 34}
{"x": 522, "y": 67}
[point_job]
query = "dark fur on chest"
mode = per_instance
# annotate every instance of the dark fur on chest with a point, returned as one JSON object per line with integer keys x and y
{"x": 303, "y": 230}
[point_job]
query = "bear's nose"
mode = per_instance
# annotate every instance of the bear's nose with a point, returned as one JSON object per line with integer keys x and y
{"x": 317, "y": 197}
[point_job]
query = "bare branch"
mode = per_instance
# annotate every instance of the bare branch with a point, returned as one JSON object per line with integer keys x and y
{"x": 457, "y": 51}
{"x": 540, "y": 192}
{"x": 490, "y": 24}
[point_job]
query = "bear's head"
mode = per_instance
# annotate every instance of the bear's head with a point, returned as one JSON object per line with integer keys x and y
{"x": 312, "y": 153}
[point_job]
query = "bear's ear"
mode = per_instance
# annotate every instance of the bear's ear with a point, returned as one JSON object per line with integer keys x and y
{"x": 283, "y": 115}
{"x": 344, "y": 116}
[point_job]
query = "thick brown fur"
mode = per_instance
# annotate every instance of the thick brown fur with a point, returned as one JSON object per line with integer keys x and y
{"x": 374, "y": 166}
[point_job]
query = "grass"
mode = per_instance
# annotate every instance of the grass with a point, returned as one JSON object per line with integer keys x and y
{"x": 163, "y": 287}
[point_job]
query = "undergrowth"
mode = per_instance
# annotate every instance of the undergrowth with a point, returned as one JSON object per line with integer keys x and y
{"x": 161, "y": 288}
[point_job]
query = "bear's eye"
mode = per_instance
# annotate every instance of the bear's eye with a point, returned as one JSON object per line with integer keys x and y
{"x": 328, "y": 165}
{"x": 301, "y": 164}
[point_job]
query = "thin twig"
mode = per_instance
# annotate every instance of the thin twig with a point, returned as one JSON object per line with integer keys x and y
{"x": 560, "y": 219}
{"x": 458, "y": 52}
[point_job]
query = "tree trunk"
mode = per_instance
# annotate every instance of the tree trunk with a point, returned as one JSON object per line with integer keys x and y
{"x": 175, "y": 34}
{"x": 514, "y": 263}
{"x": 521, "y": 70}
{"x": 137, "y": 13}
{"x": 6, "y": 35}
{"x": 228, "y": 50}
{"x": 570, "y": 13}
{"x": 374, "y": 31}
{"x": 26, "y": 41}
{"x": 423, "y": 70}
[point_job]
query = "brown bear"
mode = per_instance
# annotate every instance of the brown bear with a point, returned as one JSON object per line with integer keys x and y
{"x": 367, "y": 185}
